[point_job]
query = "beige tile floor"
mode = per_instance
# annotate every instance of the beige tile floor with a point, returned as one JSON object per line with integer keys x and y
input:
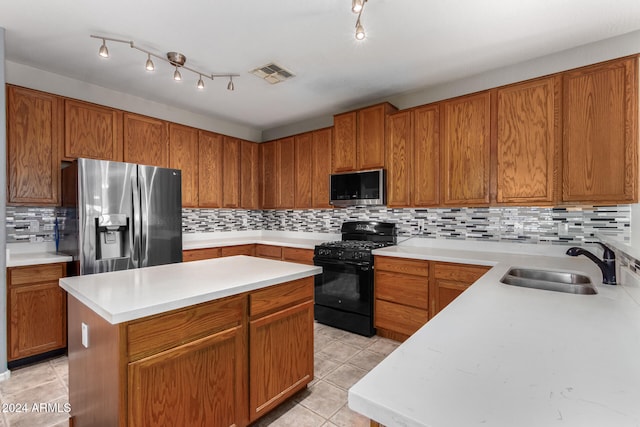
{"x": 341, "y": 359}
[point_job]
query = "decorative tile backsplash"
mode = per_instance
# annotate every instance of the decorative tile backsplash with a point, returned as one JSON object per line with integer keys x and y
{"x": 520, "y": 224}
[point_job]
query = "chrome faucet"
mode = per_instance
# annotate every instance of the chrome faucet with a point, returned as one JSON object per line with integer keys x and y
{"x": 607, "y": 264}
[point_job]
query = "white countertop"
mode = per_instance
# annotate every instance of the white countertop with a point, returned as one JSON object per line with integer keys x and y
{"x": 121, "y": 296}
{"x": 21, "y": 254}
{"x": 502, "y": 355}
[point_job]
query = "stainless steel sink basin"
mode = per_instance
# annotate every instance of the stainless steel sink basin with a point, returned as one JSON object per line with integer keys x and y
{"x": 557, "y": 281}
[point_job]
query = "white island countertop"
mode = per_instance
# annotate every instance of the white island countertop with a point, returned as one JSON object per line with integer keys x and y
{"x": 121, "y": 296}
{"x": 503, "y": 356}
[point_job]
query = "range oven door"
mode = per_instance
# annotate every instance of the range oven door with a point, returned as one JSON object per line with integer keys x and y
{"x": 344, "y": 295}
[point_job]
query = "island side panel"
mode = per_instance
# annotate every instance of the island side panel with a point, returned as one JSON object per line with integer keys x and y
{"x": 95, "y": 374}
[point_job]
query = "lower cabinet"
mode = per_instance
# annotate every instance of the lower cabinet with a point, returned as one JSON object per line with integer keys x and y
{"x": 280, "y": 253}
{"x": 281, "y": 335}
{"x": 249, "y": 250}
{"x": 449, "y": 281}
{"x": 268, "y": 251}
{"x": 200, "y": 254}
{"x": 37, "y": 310}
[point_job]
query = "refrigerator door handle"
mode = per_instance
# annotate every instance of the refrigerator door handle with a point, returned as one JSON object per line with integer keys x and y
{"x": 134, "y": 236}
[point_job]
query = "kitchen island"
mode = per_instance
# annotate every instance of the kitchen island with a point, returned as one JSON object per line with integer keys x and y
{"x": 503, "y": 355}
{"x": 175, "y": 344}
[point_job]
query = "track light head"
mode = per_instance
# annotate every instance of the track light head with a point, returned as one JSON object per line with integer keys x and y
{"x": 230, "y": 86}
{"x": 103, "y": 52}
{"x": 176, "y": 75}
{"x": 357, "y": 5}
{"x": 149, "y": 65}
{"x": 360, "y": 35}
{"x": 200, "y": 83}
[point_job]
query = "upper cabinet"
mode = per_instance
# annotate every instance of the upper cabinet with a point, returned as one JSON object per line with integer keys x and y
{"x": 466, "y": 150}
{"x": 183, "y": 155}
{"x": 209, "y": 169}
{"x": 303, "y": 170}
{"x": 92, "y": 131}
{"x": 600, "y": 133}
{"x": 269, "y": 169}
{"x": 34, "y": 137}
{"x": 321, "y": 165}
{"x": 412, "y": 157}
{"x": 146, "y": 140}
{"x": 278, "y": 173}
{"x": 359, "y": 138}
{"x": 286, "y": 173}
{"x": 249, "y": 175}
{"x": 528, "y": 141}
{"x": 231, "y": 173}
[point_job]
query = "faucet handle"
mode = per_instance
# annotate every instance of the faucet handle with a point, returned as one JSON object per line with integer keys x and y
{"x": 608, "y": 254}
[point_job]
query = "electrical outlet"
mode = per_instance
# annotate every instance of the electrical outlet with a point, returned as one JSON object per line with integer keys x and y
{"x": 327, "y": 223}
{"x": 563, "y": 229}
{"x": 34, "y": 225}
{"x": 518, "y": 227}
{"x": 420, "y": 225}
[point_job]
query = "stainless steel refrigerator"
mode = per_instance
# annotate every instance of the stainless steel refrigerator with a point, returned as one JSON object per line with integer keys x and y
{"x": 119, "y": 216}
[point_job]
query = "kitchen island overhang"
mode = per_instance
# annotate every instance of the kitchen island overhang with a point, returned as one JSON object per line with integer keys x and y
{"x": 214, "y": 342}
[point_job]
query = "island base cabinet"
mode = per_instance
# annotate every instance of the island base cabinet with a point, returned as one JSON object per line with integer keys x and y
{"x": 163, "y": 387}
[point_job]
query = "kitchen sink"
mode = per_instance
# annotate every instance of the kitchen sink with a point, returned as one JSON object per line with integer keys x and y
{"x": 557, "y": 281}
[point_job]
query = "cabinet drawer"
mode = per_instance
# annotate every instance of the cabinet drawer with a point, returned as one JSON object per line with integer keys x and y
{"x": 36, "y": 274}
{"x": 402, "y": 288}
{"x": 459, "y": 272}
{"x": 402, "y": 265}
{"x": 277, "y": 297}
{"x": 399, "y": 318}
{"x": 238, "y": 250}
{"x": 199, "y": 254}
{"x": 267, "y": 251}
{"x": 161, "y": 332}
{"x": 303, "y": 256}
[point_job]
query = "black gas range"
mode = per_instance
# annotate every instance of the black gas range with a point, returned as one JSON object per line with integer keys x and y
{"x": 344, "y": 292}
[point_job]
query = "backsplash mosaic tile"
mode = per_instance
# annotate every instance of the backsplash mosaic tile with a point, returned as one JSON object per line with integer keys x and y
{"x": 520, "y": 224}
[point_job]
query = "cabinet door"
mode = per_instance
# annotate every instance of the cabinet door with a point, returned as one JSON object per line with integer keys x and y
{"x": 466, "y": 150}
{"x": 146, "y": 140}
{"x": 250, "y": 169}
{"x": 92, "y": 131}
{"x": 284, "y": 343}
{"x": 231, "y": 173}
{"x": 344, "y": 142}
{"x": 286, "y": 175}
{"x": 209, "y": 169}
{"x": 371, "y": 136}
{"x": 249, "y": 250}
{"x": 270, "y": 170}
{"x": 162, "y": 388}
{"x": 425, "y": 182}
{"x": 200, "y": 254}
{"x": 303, "y": 170}
{"x": 600, "y": 139}
{"x": 528, "y": 141}
{"x": 448, "y": 281}
{"x": 37, "y": 319}
{"x": 183, "y": 155}
{"x": 34, "y": 135}
{"x": 321, "y": 157}
{"x": 399, "y": 159}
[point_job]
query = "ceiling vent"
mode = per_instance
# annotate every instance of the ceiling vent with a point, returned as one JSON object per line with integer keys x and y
{"x": 272, "y": 73}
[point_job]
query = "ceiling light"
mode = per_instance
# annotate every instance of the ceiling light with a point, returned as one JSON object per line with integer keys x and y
{"x": 176, "y": 59}
{"x": 357, "y": 5}
{"x": 103, "y": 52}
{"x": 359, "y": 31}
{"x": 149, "y": 66}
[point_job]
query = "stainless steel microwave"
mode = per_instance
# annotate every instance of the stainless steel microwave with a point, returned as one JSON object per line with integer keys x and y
{"x": 365, "y": 188}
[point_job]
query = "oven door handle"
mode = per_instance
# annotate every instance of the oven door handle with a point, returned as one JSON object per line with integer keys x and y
{"x": 340, "y": 263}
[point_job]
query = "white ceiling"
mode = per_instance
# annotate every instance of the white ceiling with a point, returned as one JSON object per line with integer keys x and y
{"x": 410, "y": 44}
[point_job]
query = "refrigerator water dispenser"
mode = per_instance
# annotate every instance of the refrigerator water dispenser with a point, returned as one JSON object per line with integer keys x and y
{"x": 112, "y": 232}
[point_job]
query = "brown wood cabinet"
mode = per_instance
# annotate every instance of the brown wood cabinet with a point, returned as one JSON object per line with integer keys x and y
{"x": 359, "y": 138}
{"x": 448, "y": 281}
{"x": 269, "y": 251}
{"x": 183, "y": 155}
{"x": 200, "y": 254}
{"x": 231, "y": 173}
{"x": 321, "y": 168}
{"x": 466, "y": 150}
{"x": 528, "y": 141}
{"x": 146, "y": 140}
{"x": 278, "y": 174}
{"x": 413, "y": 160}
{"x": 303, "y": 170}
{"x": 209, "y": 169}
{"x": 249, "y": 250}
{"x": 249, "y": 175}
{"x": 92, "y": 131}
{"x": 281, "y": 336}
{"x": 37, "y": 310}
{"x": 269, "y": 167}
{"x": 600, "y": 133}
{"x": 299, "y": 255}
{"x": 34, "y": 138}
{"x": 401, "y": 296}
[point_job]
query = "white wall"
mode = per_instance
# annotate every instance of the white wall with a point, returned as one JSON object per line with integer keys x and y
{"x": 3, "y": 197}
{"x": 627, "y": 44}
{"x": 34, "y": 78}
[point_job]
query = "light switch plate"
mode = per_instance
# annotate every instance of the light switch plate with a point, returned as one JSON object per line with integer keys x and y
{"x": 85, "y": 335}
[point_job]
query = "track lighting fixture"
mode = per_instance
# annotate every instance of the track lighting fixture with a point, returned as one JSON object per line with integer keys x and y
{"x": 357, "y": 6}
{"x": 176, "y": 59}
